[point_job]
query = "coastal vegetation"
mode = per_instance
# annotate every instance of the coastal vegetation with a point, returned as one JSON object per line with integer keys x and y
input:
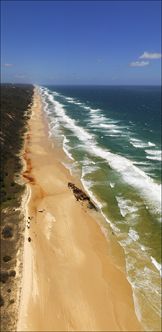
{"x": 15, "y": 111}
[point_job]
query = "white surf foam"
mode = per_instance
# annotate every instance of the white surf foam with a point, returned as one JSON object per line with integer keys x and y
{"x": 154, "y": 158}
{"x": 66, "y": 148}
{"x": 135, "y": 177}
{"x": 107, "y": 126}
{"x": 151, "y": 144}
{"x": 69, "y": 99}
{"x": 144, "y": 163}
{"x": 110, "y": 127}
{"x": 87, "y": 185}
{"x": 70, "y": 123}
{"x": 137, "y": 143}
{"x": 94, "y": 110}
{"x": 78, "y": 103}
{"x": 112, "y": 184}
{"x": 126, "y": 206}
{"x": 89, "y": 169}
{"x": 87, "y": 107}
{"x": 131, "y": 174}
{"x": 72, "y": 101}
{"x": 154, "y": 154}
{"x": 98, "y": 120}
{"x": 133, "y": 235}
{"x": 157, "y": 265}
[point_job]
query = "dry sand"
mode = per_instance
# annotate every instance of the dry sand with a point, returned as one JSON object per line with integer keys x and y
{"x": 70, "y": 279}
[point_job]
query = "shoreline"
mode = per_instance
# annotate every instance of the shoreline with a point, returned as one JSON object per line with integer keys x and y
{"x": 74, "y": 281}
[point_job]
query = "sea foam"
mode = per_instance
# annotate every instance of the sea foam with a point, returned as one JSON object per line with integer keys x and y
{"x": 154, "y": 154}
{"x": 157, "y": 265}
{"x": 131, "y": 174}
{"x": 126, "y": 206}
{"x": 137, "y": 143}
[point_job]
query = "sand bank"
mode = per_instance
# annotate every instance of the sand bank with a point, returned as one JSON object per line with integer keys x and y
{"x": 70, "y": 281}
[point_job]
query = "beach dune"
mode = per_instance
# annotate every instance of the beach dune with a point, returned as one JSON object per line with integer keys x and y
{"x": 70, "y": 279}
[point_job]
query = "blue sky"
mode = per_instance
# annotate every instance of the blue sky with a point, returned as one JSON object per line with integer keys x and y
{"x": 81, "y": 42}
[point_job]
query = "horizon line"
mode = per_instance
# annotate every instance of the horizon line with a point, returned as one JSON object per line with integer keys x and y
{"x": 56, "y": 84}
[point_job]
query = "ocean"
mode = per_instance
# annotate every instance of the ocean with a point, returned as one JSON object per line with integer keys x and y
{"x": 112, "y": 136}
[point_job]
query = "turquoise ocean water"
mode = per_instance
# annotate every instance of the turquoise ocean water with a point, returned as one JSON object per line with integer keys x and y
{"x": 112, "y": 137}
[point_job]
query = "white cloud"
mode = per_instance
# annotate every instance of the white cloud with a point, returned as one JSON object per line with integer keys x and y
{"x": 151, "y": 56}
{"x": 139, "y": 63}
{"x": 8, "y": 65}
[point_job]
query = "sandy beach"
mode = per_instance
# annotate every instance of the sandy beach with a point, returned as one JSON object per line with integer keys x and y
{"x": 71, "y": 281}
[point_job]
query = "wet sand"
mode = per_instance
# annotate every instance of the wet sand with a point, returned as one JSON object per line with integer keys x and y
{"x": 70, "y": 279}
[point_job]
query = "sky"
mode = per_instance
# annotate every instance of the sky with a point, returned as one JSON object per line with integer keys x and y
{"x": 81, "y": 42}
